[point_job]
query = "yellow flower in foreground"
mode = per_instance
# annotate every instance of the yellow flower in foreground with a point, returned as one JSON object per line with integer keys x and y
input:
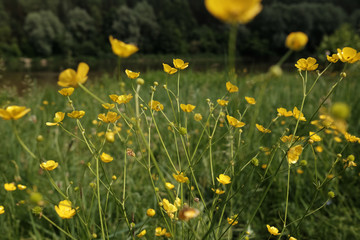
{"x": 273, "y": 230}
{"x": 308, "y": 64}
{"x": 297, "y": 114}
{"x": 232, "y": 221}
{"x": 250, "y": 100}
{"x": 110, "y": 117}
{"x": 296, "y": 41}
{"x": 187, "y": 108}
{"x": 231, "y": 87}
{"x": 49, "y": 165}
{"x": 348, "y": 54}
{"x": 76, "y": 114}
{"x": 224, "y": 179}
{"x": 234, "y": 11}
{"x": 292, "y": 238}
{"x": 59, "y": 116}
{"x": 188, "y": 213}
{"x": 13, "y": 112}
{"x": 122, "y": 99}
{"x": 262, "y": 129}
{"x": 141, "y": 234}
{"x": 132, "y": 74}
{"x": 198, "y": 117}
{"x": 66, "y": 91}
{"x": 218, "y": 191}
{"x": 150, "y": 212}
{"x": 234, "y": 122}
{"x": 156, "y": 105}
{"x": 294, "y": 153}
{"x": 122, "y": 49}
{"x": 169, "y": 185}
{"x": 180, "y": 64}
{"x": 64, "y": 209}
{"x": 160, "y": 232}
{"x": 222, "y": 102}
{"x": 314, "y": 137}
{"x": 10, "y": 187}
{"x": 333, "y": 58}
{"x": 168, "y": 69}
{"x": 2, "y": 210}
{"x": 180, "y": 177}
{"x": 70, "y": 78}
{"x": 169, "y": 208}
{"x": 108, "y": 105}
{"x": 106, "y": 158}
{"x": 284, "y": 112}
{"x": 21, "y": 187}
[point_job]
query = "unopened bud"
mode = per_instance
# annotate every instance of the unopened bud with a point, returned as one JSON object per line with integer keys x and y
{"x": 140, "y": 81}
{"x": 343, "y": 74}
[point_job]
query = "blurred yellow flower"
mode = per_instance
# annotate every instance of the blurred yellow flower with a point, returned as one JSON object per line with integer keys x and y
{"x": 2, "y": 209}
{"x": 222, "y": 102}
{"x": 122, "y": 99}
{"x": 308, "y": 64}
{"x": 150, "y": 212}
{"x": 160, "y": 232}
{"x": 169, "y": 185}
{"x": 13, "y": 112}
{"x": 168, "y": 69}
{"x": 180, "y": 64}
{"x": 333, "y": 58}
{"x": 21, "y": 187}
{"x": 348, "y": 54}
{"x": 218, "y": 191}
{"x": 188, "y": 213}
{"x": 141, "y": 234}
{"x": 108, "y": 105}
{"x": 297, "y": 114}
{"x": 66, "y": 91}
{"x": 284, "y": 112}
{"x": 10, "y": 187}
{"x": 64, "y": 209}
{"x": 76, "y": 114}
{"x": 262, "y": 129}
{"x": 59, "y": 116}
{"x": 49, "y": 165}
{"x": 234, "y": 122}
{"x": 224, "y": 179}
{"x": 180, "y": 177}
{"x": 110, "y": 117}
{"x": 296, "y": 41}
{"x": 169, "y": 208}
{"x": 234, "y": 11}
{"x": 132, "y": 74}
{"x": 122, "y": 49}
{"x": 250, "y": 100}
{"x": 110, "y": 137}
{"x": 156, "y": 105}
{"x": 232, "y": 221}
{"x": 292, "y": 238}
{"x": 187, "y": 108}
{"x": 198, "y": 117}
{"x": 273, "y": 230}
{"x": 106, "y": 158}
{"x": 70, "y": 78}
{"x": 294, "y": 153}
{"x": 314, "y": 137}
{"x": 231, "y": 88}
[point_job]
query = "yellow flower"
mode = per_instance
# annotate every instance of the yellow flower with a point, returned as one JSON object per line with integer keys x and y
{"x": 106, "y": 158}
{"x": 13, "y": 112}
{"x": 141, "y": 234}
{"x": 284, "y": 112}
{"x": 66, "y": 91}
{"x": 168, "y": 69}
{"x": 180, "y": 64}
{"x": 132, "y": 74}
{"x": 231, "y": 88}
{"x": 10, "y": 187}
{"x": 59, "y": 116}
{"x": 218, "y": 191}
{"x": 292, "y": 238}
{"x": 307, "y": 64}
{"x": 198, "y": 117}
{"x": 169, "y": 185}
{"x": 108, "y": 105}
{"x": 110, "y": 117}
{"x": 297, "y": 114}
{"x": 234, "y": 122}
{"x": 314, "y": 137}
{"x": 180, "y": 177}
{"x": 122, "y": 99}
{"x": 122, "y": 49}
{"x": 273, "y": 230}
{"x": 150, "y": 212}
{"x": 156, "y": 105}
{"x": 188, "y": 213}
{"x": 169, "y": 208}
{"x": 21, "y": 187}
{"x": 70, "y": 78}
{"x": 296, "y": 41}
{"x": 76, "y": 114}
{"x": 2, "y": 210}
{"x": 49, "y": 165}
{"x": 288, "y": 138}
{"x": 333, "y": 58}
{"x": 234, "y": 11}
{"x": 187, "y": 108}
{"x": 232, "y": 220}
{"x": 110, "y": 137}
{"x": 224, "y": 179}
{"x": 250, "y": 100}
{"x": 160, "y": 232}
{"x": 262, "y": 129}
{"x": 319, "y": 149}
{"x": 222, "y": 102}
{"x": 294, "y": 153}
{"x": 64, "y": 209}
{"x": 348, "y": 54}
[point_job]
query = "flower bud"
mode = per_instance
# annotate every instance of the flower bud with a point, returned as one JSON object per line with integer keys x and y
{"x": 140, "y": 81}
{"x": 40, "y": 138}
{"x": 331, "y": 194}
{"x": 343, "y": 74}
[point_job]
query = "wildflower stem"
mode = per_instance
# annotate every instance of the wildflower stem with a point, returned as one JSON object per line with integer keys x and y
{"x": 91, "y": 94}
{"x": 55, "y": 225}
{"x": 287, "y": 201}
{"x": 21, "y": 141}
{"x": 232, "y": 51}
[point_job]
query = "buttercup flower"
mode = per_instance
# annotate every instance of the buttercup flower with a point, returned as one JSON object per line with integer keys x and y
{"x": 59, "y": 116}
{"x": 284, "y": 112}
{"x": 333, "y": 58}
{"x": 224, "y": 179}
{"x": 49, "y": 165}
{"x": 250, "y": 100}
{"x": 156, "y": 105}
{"x": 122, "y": 49}
{"x": 234, "y": 122}
{"x": 168, "y": 69}
{"x": 294, "y": 153}
{"x": 70, "y": 78}
{"x": 348, "y": 54}
{"x": 187, "y": 108}
{"x": 180, "y": 177}
{"x": 106, "y": 158}
{"x": 180, "y": 64}
{"x": 273, "y": 230}
{"x": 308, "y": 64}
{"x": 110, "y": 117}
{"x": 21, "y": 187}
{"x": 132, "y": 74}
{"x": 2, "y": 209}
{"x": 262, "y": 129}
{"x": 314, "y": 137}
{"x": 169, "y": 185}
{"x": 10, "y": 187}
{"x": 218, "y": 191}
{"x": 169, "y": 208}
{"x": 150, "y": 212}
{"x": 108, "y": 105}
{"x": 222, "y": 102}
{"x": 292, "y": 238}
{"x": 234, "y": 11}
{"x": 122, "y": 99}
{"x": 231, "y": 87}
{"x": 76, "y": 114}
{"x": 141, "y": 234}
{"x": 64, "y": 209}
{"x": 188, "y": 213}
{"x": 297, "y": 114}
{"x": 296, "y": 41}
{"x": 66, "y": 91}
{"x": 160, "y": 232}
{"x": 232, "y": 221}
{"x": 13, "y": 112}
{"x": 198, "y": 117}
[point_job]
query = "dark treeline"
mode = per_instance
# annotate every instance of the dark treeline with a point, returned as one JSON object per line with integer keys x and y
{"x": 43, "y": 28}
